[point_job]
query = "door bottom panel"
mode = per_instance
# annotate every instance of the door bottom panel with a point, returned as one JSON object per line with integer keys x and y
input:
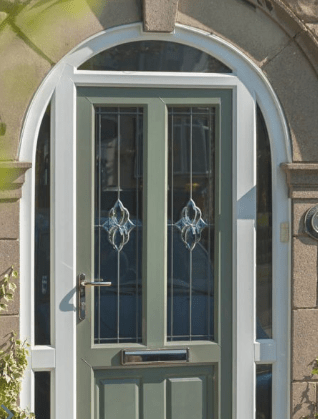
{"x": 155, "y": 393}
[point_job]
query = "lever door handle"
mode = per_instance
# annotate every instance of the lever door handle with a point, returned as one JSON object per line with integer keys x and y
{"x": 86, "y": 283}
{"x": 81, "y": 301}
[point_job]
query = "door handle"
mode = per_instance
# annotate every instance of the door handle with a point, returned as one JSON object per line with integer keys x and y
{"x": 82, "y": 283}
{"x": 86, "y": 283}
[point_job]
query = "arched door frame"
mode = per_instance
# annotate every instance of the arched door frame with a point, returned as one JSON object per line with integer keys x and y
{"x": 249, "y": 86}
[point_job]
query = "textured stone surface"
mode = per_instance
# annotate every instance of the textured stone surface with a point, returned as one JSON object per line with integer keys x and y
{"x": 8, "y": 324}
{"x": 22, "y": 70}
{"x": 304, "y": 289}
{"x": 309, "y": 45}
{"x": 57, "y": 26}
{"x": 305, "y": 343}
{"x": 306, "y": 10}
{"x": 296, "y": 85}
{"x": 9, "y": 220}
{"x": 313, "y": 27}
{"x": 9, "y": 256}
{"x": 304, "y": 400}
{"x": 159, "y": 15}
{"x": 247, "y": 27}
{"x": 299, "y": 210}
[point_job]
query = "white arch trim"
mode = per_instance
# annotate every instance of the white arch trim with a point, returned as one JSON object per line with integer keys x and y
{"x": 246, "y": 80}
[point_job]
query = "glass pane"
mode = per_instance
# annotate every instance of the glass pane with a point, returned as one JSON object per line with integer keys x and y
{"x": 155, "y": 56}
{"x": 264, "y": 391}
{"x": 42, "y": 390}
{"x": 191, "y": 181}
{"x": 42, "y": 235}
{"x": 118, "y": 228}
{"x": 264, "y": 232}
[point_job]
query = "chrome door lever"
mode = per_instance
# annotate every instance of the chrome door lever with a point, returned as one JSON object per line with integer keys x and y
{"x": 82, "y": 283}
{"x": 86, "y": 283}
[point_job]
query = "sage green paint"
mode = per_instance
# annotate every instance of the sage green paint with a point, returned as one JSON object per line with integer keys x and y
{"x": 155, "y": 393}
{"x": 96, "y": 360}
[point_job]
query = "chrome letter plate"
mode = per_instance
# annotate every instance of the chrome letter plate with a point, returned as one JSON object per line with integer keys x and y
{"x": 158, "y": 356}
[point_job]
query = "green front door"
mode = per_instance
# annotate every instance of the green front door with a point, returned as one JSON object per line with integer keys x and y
{"x": 154, "y": 223}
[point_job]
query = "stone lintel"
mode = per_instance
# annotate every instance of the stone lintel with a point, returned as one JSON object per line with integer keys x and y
{"x": 302, "y": 179}
{"x": 159, "y": 15}
{"x": 12, "y": 175}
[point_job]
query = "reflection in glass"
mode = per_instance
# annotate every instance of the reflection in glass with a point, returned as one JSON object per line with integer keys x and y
{"x": 264, "y": 391}
{"x": 191, "y": 166}
{"x": 42, "y": 235}
{"x": 118, "y": 223}
{"x": 155, "y": 56}
{"x": 263, "y": 232}
{"x": 42, "y": 391}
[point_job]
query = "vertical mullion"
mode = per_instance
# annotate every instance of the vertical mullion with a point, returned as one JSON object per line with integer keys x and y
{"x": 99, "y": 210}
{"x": 210, "y": 191}
{"x": 172, "y": 223}
{"x": 118, "y": 196}
{"x": 155, "y": 234}
{"x": 137, "y": 212}
{"x": 190, "y": 256}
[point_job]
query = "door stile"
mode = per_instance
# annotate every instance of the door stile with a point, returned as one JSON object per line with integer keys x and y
{"x": 84, "y": 245}
{"x": 155, "y": 222}
{"x": 224, "y": 268}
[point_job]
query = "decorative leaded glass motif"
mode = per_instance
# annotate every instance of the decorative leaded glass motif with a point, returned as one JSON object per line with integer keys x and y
{"x": 191, "y": 179}
{"x": 191, "y": 225}
{"x": 118, "y": 226}
{"x": 118, "y": 223}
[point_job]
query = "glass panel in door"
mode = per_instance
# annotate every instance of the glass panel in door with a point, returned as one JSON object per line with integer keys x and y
{"x": 191, "y": 166}
{"x": 118, "y": 228}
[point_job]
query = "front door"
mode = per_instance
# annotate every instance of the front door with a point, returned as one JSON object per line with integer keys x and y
{"x": 154, "y": 253}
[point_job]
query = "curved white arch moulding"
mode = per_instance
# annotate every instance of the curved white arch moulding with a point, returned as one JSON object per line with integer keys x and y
{"x": 247, "y": 79}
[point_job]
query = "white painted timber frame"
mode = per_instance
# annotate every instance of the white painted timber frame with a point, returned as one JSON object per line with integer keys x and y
{"x": 249, "y": 86}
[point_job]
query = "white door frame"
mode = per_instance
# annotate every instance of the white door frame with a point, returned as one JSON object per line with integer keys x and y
{"x": 249, "y": 86}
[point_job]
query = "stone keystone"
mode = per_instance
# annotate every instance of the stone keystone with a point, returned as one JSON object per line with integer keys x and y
{"x": 159, "y": 15}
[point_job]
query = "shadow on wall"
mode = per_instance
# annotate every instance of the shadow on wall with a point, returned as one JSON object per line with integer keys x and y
{"x": 30, "y": 19}
{"x": 36, "y": 34}
{"x": 306, "y": 405}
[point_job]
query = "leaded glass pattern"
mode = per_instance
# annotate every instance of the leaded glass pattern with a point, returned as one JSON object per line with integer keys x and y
{"x": 191, "y": 202}
{"x": 155, "y": 56}
{"x": 118, "y": 223}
